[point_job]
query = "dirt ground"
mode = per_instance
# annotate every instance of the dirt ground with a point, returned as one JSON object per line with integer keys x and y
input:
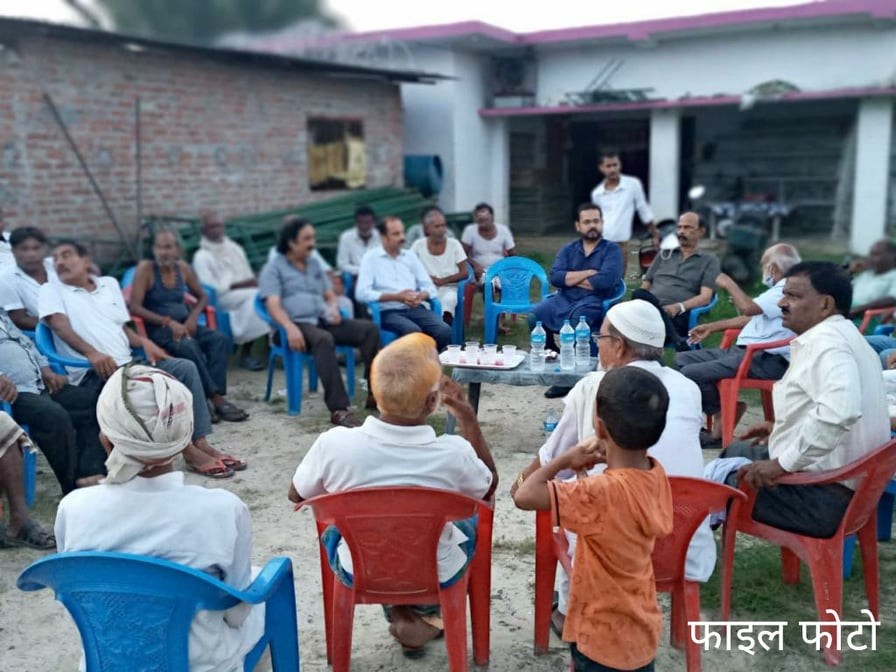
{"x": 36, "y": 633}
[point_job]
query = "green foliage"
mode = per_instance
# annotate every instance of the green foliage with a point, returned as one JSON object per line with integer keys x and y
{"x": 201, "y": 21}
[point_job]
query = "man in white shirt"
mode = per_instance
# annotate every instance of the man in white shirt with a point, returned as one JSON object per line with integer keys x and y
{"x": 401, "y": 448}
{"x": 443, "y": 258}
{"x": 486, "y": 242}
{"x": 830, "y": 407}
{"x": 875, "y": 285}
{"x": 619, "y": 196}
{"x": 222, "y": 264}
{"x": 357, "y": 241}
{"x": 144, "y": 508}
{"x": 396, "y": 278}
{"x": 632, "y": 334}
{"x": 759, "y": 322}
{"x": 20, "y": 282}
{"x": 89, "y": 316}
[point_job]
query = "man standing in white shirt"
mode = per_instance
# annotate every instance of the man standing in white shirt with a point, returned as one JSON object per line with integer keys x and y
{"x": 619, "y": 196}
{"x": 401, "y": 448}
{"x": 830, "y": 407}
{"x": 759, "y": 322}
{"x": 395, "y": 277}
{"x": 632, "y": 334}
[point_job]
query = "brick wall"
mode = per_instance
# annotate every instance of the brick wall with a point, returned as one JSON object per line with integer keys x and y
{"x": 214, "y": 134}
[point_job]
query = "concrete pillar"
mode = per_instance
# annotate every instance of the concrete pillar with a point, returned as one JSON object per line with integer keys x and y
{"x": 499, "y": 162}
{"x": 869, "y": 205}
{"x": 665, "y": 159}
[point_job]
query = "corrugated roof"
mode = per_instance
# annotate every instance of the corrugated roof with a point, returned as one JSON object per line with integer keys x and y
{"x": 12, "y": 29}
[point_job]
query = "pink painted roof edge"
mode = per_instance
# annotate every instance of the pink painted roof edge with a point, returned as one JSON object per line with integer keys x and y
{"x": 634, "y": 31}
{"x": 697, "y": 101}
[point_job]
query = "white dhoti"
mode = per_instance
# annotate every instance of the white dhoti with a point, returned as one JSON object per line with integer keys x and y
{"x": 244, "y": 322}
{"x": 448, "y": 298}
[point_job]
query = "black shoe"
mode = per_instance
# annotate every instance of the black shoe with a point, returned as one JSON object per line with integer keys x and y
{"x": 708, "y": 441}
{"x": 251, "y": 363}
{"x": 556, "y": 391}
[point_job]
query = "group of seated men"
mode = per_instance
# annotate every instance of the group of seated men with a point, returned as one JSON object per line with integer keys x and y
{"x": 825, "y": 417}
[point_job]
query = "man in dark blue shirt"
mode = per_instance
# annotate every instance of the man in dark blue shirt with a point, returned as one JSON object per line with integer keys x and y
{"x": 586, "y": 272}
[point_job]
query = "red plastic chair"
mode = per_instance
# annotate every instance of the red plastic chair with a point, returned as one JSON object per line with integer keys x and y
{"x": 824, "y": 556}
{"x": 871, "y": 313}
{"x": 211, "y": 319}
{"x": 393, "y": 535}
{"x": 693, "y": 499}
{"x": 729, "y": 388}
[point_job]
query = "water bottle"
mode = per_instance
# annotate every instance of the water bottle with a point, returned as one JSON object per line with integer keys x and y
{"x": 567, "y": 347}
{"x": 537, "y": 341}
{"x": 583, "y": 345}
{"x": 549, "y": 424}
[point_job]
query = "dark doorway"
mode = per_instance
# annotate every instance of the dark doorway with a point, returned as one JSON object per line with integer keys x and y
{"x": 631, "y": 137}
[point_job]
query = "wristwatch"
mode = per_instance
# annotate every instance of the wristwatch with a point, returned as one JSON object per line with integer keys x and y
{"x": 682, "y": 309}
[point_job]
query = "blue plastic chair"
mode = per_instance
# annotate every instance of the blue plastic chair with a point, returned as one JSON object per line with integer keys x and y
{"x": 457, "y": 326}
{"x": 29, "y": 464}
{"x": 134, "y": 612}
{"x": 621, "y": 289}
{"x": 697, "y": 312}
{"x": 43, "y": 338}
{"x": 222, "y": 316}
{"x": 884, "y": 527}
{"x": 128, "y": 278}
{"x": 515, "y": 275}
{"x": 294, "y": 364}
{"x": 386, "y": 337}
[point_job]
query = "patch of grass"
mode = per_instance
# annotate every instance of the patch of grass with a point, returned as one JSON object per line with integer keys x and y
{"x": 758, "y": 594}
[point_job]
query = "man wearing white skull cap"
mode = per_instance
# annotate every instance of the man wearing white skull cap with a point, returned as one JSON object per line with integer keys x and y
{"x": 632, "y": 334}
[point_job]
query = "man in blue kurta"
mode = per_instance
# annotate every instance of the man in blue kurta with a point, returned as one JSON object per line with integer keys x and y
{"x": 586, "y": 272}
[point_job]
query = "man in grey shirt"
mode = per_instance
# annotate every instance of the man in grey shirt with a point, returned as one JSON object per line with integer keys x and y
{"x": 60, "y": 417}
{"x": 299, "y": 297}
{"x": 681, "y": 279}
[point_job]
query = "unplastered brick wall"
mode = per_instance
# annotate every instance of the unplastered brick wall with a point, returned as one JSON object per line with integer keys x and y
{"x": 225, "y": 135}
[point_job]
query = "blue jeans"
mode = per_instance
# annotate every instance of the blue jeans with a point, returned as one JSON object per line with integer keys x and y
{"x": 882, "y": 345}
{"x": 412, "y": 320}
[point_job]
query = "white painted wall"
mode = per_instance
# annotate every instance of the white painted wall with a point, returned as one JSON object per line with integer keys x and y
{"x": 869, "y": 207}
{"x": 812, "y": 59}
{"x": 665, "y": 152}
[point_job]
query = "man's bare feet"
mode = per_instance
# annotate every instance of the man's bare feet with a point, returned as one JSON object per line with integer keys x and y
{"x": 409, "y": 628}
{"x": 231, "y": 462}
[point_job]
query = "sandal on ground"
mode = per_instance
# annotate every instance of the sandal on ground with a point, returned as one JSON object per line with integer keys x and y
{"x": 234, "y": 463}
{"x": 344, "y": 418}
{"x": 230, "y": 413}
{"x": 32, "y": 535}
{"x": 558, "y": 620}
{"x": 212, "y": 413}
{"x": 216, "y": 469}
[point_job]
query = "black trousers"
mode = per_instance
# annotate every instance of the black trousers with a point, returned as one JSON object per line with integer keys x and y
{"x": 708, "y": 366}
{"x": 209, "y": 350}
{"x": 676, "y": 327}
{"x": 321, "y": 342}
{"x": 65, "y": 428}
{"x": 810, "y": 510}
{"x": 582, "y": 663}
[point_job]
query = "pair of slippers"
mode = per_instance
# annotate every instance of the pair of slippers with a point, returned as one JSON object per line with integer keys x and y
{"x": 31, "y": 535}
{"x": 223, "y": 467}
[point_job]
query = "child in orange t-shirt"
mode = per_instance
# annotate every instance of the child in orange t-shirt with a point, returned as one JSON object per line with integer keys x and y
{"x": 613, "y": 621}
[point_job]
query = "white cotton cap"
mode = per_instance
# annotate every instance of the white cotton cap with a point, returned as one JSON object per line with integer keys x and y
{"x": 639, "y": 321}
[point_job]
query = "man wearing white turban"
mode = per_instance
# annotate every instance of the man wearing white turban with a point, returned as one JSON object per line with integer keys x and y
{"x": 143, "y": 507}
{"x": 632, "y": 334}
